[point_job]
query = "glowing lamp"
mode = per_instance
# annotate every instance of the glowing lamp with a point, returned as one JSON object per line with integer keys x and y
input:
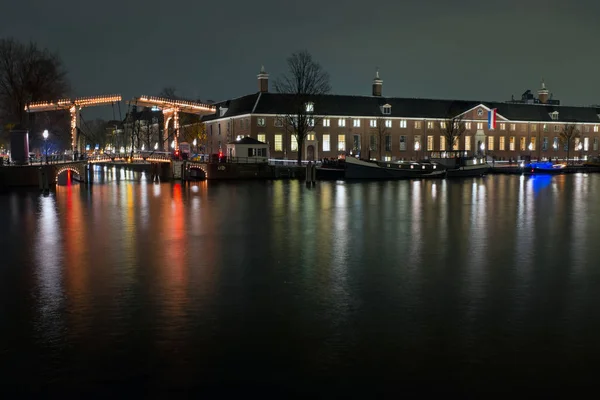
{"x": 45, "y": 134}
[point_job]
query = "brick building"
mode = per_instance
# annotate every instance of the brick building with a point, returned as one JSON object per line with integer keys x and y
{"x": 393, "y": 128}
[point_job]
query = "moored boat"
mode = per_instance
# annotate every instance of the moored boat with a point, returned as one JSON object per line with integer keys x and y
{"x": 361, "y": 169}
{"x": 458, "y": 165}
{"x": 542, "y": 167}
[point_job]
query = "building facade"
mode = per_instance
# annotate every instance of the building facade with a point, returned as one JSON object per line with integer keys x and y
{"x": 392, "y": 128}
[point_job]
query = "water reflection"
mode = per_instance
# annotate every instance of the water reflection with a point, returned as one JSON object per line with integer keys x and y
{"x": 430, "y": 278}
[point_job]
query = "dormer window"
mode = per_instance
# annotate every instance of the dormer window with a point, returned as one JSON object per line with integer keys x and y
{"x": 386, "y": 109}
{"x": 310, "y": 107}
{"x": 222, "y": 111}
{"x": 554, "y": 116}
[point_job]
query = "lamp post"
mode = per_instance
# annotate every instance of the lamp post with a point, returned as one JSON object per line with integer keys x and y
{"x": 530, "y": 147}
{"x": 195, "y": 143}
{"x": 45, "y": 135}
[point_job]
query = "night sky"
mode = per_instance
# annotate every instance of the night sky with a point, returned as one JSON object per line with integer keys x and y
{"x": 213, "y": 50}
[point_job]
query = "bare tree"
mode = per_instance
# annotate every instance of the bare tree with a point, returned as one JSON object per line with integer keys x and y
{"x": 168, "y": 92}
{"x": 381, "y": 134}
{"x": 27, "y": 74}
{"x": 302, "y": 85}
{"x": 568, "y": 134}
{"x": 452, "y": 129}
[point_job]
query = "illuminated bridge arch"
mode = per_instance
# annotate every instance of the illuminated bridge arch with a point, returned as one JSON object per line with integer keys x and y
{"x": 67, "y": 168}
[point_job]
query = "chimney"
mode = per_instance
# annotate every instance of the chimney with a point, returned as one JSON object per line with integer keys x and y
{"x": 543, "y": 93}
{"x": 263, "y": 80}
{"x": 377, "y": 83}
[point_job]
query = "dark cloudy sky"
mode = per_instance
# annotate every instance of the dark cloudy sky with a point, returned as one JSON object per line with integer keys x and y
{"x": 213, "y": 49}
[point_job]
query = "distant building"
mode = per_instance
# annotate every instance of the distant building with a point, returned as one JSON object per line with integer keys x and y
{"x": 408, "y": 128}
{"x": 544, "y": 97}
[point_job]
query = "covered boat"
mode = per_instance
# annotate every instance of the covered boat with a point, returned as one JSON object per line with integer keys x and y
{"x": 362, "y": 169}
{"x": 460, "y": 165}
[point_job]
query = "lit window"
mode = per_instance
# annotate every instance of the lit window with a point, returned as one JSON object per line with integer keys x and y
{"x": 310, "y": 107}
{"x": 403, "y": 123}
{"x": 341, "y": 122}
{"x": 502, "y": 144}
{"x": 511, "y": 143}
{"x": 545, "y": 127}
{"x": 429, "y": 124}
{"x": 356, "y": 123}
{"x": 293, "y": 143}
{"x": 373, "y": 123}
{"x": 595, "y": 128}
{"x": 442, "y": 143}
{"x": 490, "y": 143}
{"x": 513, "y": 127}
{"x": 310, "y": 136}
{"x": 532, "y": 143}
{"x": 388, "y": 123}
{"x": 387, "y": 109}
{"x": 522, "y": 144}
{"x": 262, "y": 137}
{"x": 430, "y": 143}
{"x": 595, "y": 148}
{"x": 443, "y": 125}
{"x": 278, "y": 142}
{"x": 479, "y": 126}
{"x": 502, "y": 127}
{"x": 341, "y": 142}
{"x": 533, "y": 127}
{"x": 545, "y": 143}
{"x": 467, "y": 143}
{"x": 326, "y": 143}
{"x": 467, "y": 125}
{"x": 326, "y": 122}
{"x": 586, "y": 143}
{"x": 556, "y": 128}
{"x": 373, "y": 143}
{"x": 388, "y": 142}
{"x": 311, "y": 122}
{"x": 278, "y": 122}
{"x": 455, "y": 143}
{"x": 555, "y": 143}
{"x": 417, "y": 145}
{"x": 403, "y": 143}
{"x": 356, "y": 142}
{"x": 260, "y": 121}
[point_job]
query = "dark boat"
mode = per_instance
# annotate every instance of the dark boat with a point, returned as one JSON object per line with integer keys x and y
{"x": 361, "y": 169}
{"x": 458, "y": 165}
{"x": 331, "y": 170}
{"x": 543, "y": 167}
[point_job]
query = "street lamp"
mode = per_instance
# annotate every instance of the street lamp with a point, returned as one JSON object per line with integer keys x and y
{"x": 156, "y": 146}
{"x": 173, "y": 144}
{"x": 45, "y": 135}
{"x": 194, "y": 143}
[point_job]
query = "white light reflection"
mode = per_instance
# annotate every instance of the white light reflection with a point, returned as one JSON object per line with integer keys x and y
{"x": 49, "y": 260}
{"x": 156, "y": 190}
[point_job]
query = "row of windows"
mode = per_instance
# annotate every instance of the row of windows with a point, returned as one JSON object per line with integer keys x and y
{"x": 341, "y": 122}
{"x": 490, "y": 144}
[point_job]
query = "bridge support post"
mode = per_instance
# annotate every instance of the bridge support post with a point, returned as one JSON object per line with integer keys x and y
{"x": 43, "y": 179}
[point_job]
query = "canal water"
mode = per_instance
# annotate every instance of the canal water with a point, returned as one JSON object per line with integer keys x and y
{"x": 126, "y": 287}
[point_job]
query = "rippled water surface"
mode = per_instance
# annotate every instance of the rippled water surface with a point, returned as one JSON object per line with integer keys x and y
{"x": 130, "y": 287}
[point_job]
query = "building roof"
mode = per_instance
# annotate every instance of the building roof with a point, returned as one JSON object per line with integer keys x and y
{"x": 247, "y": 140}
{"x": 370, "y": 106}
